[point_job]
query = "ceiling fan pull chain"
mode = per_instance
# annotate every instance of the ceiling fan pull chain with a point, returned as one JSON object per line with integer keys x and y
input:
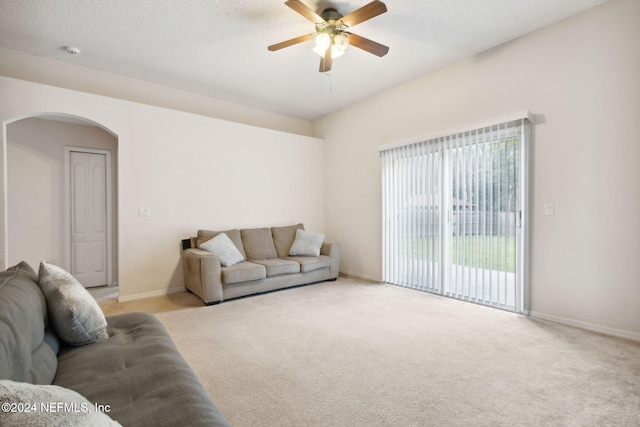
{"x": 330, "y": 75}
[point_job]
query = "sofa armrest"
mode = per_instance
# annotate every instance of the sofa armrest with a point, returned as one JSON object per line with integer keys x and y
{"x": 332, "y": 250}
{"x": 202, "y": 274}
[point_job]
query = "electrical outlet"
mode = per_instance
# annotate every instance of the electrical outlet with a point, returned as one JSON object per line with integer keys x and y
{"x": 548, "y": 209}
{"x": 144, "y": 212}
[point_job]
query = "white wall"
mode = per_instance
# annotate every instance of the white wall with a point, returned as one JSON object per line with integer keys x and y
{"x": 35, "y": 172}
{"x": 191, "y": 171}
{"x": 47, "y": 71}
{"x": 582, "y": 78}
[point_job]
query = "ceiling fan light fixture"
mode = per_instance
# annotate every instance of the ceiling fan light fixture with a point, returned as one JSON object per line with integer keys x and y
{"x": 338, "y": 43}
{"x": 341, "y": 41}
{"x": 319, "y": 51}
{"x": 332, "y": 36}
{"x": 323, "y": 41}
{"x": 336, "y": 52}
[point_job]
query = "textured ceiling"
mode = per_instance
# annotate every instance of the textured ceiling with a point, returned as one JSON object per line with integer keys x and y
{"x": 219, "y": 47}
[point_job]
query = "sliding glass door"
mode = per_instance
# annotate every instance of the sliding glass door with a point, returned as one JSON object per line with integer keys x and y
{"x": 454, "y": 211}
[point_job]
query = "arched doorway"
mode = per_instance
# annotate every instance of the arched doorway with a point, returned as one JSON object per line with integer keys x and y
{"x": 37, "y": 199}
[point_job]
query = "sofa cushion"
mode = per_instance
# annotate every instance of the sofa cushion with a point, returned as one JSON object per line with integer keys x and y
{"x": 28, "y": 345}
{"x": 243, "y": 272}
{"x": 310, "y": 263}
{"x": 75, "y": 314}
{"x": 234, "y": 235}
{"x": 306, "y": 244}
{"x": 222, "y": 247}
{"x": 140, "y": 374}
{"x": 283, "y": 238}
{"x": 64, "y": 407}
{"x": 278, "y": 266}
{"x": 258, "y": 243}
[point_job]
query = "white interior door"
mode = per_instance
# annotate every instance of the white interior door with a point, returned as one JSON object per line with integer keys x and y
{"x": 89, "y": 225}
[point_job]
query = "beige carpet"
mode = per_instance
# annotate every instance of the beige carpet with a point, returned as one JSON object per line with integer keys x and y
{"x": 352, "y": 353}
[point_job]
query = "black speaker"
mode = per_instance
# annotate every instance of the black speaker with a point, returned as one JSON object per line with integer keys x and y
{"x": 186, "y": 244}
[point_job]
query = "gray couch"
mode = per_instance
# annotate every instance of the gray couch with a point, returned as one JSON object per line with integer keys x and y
{"x": 136, "y": 374}
{"x": 267, "y": 264}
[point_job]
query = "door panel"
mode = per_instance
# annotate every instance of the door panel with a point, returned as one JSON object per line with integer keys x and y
{"x": 88, "y": 218}
{"x": 453, "y": 215}
{"x": 484, "y": 204}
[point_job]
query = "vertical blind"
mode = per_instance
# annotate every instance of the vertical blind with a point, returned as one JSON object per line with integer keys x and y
{"x": 453, "y": 215}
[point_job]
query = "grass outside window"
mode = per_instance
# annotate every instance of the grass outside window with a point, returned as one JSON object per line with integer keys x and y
{"x": 486, "y": 252}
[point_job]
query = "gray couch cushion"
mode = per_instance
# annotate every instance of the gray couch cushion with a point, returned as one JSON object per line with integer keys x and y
{"x": 310, "y": 263}
{"x": 258, "y": 243}
{"x": 75, "y": 314}
{"x": 234, "y": 235}
{"x": 140, "y": 374}
{"x": 283, "y": 238}
{"x": 27, "y": 353}
{"x": 243, "y": 272}
{"x": 278, "y": 266}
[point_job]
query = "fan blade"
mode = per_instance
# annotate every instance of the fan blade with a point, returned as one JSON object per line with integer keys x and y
{"x": 304, "y": 10}
{"x": 326, "y": 62}
{"x": 291, "y": 42}
{"x": 365, "y": 13}
{"x": 368, "y": 45}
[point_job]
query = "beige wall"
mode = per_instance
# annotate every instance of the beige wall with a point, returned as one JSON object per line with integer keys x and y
{"x": 23, "y": 66}
{"x": 581, "y": 77}
{"x": 191, "y": 171}
{"x": 35, "y": 193}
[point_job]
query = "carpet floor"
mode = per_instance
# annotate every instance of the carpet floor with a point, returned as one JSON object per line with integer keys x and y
{"x": 355, "y": 353}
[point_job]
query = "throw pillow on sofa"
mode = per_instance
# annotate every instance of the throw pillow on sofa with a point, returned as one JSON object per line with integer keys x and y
{"x": 75, "y": 314}
{"x": 222, "y": 247}
{"x": 306, "y": 244}
{"x": 283, "y": 238}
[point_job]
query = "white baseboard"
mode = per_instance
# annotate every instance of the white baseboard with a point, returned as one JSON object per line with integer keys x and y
{"x": 618, "y": 333}
{"x": 360, "y": 276}
{"x": 150, "y": 294}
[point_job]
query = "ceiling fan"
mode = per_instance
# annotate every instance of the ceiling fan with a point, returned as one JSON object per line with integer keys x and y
{"x": 332, "y": 35}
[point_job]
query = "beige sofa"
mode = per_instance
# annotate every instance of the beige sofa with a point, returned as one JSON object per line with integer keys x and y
{"x": 266, "y": 265}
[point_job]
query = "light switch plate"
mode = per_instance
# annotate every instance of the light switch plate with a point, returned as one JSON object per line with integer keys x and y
{"x": 548, "y": 209}
{"x": 144, "y": 212}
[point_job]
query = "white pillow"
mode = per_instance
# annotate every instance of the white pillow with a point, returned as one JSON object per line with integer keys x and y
{"x": 25, "y": 404}
{"x": 306, "y": 244}
{"x": 74, "y": 313}
{"x": 222, "y": 247}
